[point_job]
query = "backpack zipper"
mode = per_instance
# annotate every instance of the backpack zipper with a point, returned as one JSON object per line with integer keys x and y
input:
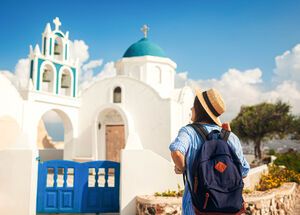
{"x": 206, "y": 200}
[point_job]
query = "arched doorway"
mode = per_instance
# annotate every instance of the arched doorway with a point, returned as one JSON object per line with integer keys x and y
{"x": 54, "y": 133}
{"x": 111, "y": 135}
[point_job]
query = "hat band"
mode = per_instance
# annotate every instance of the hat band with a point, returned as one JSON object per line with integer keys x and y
{"x": 209, "y": 104}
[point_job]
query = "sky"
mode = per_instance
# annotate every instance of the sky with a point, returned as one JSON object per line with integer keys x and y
{"x": 248, "y": 50}
{"x": 205, "y": 38}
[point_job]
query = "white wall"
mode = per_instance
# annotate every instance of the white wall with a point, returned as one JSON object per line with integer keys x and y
{"x": 142, "y": 106}
{"x": 254, "y": 176}
{"x": 181, "y": 110}
{"x": 18, "y": 177}
{"x": 144, "y": 172}
{"x": 10, "y": 100}
{"x": 145, "y": 69}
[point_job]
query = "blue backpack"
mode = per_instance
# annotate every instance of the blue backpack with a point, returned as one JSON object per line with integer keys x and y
{"x": 216, "y": 184}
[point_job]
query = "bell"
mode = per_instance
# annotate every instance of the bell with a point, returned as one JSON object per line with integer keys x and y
{"x": 46, "y": 76}
{"x": 56, "y": 49}
{"x": 65, "y": 81}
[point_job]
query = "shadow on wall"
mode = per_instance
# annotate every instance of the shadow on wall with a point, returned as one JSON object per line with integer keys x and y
{"x": 11, "y": 134}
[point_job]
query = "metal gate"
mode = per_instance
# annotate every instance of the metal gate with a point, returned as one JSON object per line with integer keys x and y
{"x": 71, "y": 187}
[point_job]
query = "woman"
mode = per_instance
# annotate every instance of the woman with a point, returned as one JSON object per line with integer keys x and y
{"x": 207, "y": 108}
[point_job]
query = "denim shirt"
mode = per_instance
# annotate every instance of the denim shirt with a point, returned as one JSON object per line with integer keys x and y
{"x": 188, "y": 139}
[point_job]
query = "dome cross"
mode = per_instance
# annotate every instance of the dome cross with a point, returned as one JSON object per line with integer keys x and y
{"x": 145, "y": 30}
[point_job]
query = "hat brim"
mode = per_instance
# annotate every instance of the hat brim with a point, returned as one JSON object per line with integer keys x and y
{"x": 206, "y": 108}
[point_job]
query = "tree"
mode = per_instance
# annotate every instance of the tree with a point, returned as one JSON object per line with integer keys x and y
{"x": 296, "y": 128}
{"x": 262, "y": 122}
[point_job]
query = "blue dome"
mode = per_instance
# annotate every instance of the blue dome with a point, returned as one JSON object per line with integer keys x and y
{"x": 144, "y": 47}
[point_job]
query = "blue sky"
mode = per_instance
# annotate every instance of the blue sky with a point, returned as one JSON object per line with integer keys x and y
{"x": 205, "y": 38}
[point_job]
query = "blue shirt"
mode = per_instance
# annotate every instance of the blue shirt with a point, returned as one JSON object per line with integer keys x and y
{"x": 188, "y": 138}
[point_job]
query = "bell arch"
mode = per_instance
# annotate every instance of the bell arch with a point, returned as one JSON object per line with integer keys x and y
{"x": 58, "y": 48}
{"x": 47, "y": 77}
{"x": 65, "y": 81}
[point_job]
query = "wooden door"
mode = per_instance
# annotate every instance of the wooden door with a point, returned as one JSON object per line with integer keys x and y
{"x": 115, "y": 141}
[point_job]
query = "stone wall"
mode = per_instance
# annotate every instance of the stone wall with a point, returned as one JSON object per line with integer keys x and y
{"x": 150, "y": 205}
{"x": 279, "y": 201}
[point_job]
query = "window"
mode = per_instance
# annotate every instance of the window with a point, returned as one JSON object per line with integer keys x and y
{"x": 157, "y": 75}
{"x": 117, "y": 95}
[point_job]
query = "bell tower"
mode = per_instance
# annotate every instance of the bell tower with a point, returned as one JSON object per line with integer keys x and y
{"x": 52, "y": 71}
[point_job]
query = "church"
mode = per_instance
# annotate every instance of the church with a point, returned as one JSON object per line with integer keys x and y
{"x": 139, "y": 108}
{"x": 130, "y": 118}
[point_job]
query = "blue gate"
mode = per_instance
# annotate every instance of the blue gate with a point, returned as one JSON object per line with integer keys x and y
{"x": 71, "y": 187}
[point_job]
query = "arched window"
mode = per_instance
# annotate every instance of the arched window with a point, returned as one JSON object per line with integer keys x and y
{"x": 157, "y": 75}
{"x": 117, "y": 95}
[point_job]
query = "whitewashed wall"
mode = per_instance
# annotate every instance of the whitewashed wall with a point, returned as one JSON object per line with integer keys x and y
{"x": 144, "y": 172}
{"x": 11, "y": 106}
{"x": 254, "y": 176}
{"x": 18, "y": 176}
{"x": 147, "y": 115}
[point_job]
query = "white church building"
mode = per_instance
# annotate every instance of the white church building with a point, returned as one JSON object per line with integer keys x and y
{"x": 130, "y": 118}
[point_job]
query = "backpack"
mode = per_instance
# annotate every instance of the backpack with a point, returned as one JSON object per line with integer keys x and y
{"x": 216, "y": 179}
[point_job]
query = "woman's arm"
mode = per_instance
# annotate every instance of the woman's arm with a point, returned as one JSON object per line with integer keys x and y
{"x": 178, "y": 159}
{"x": 179, "y": 148}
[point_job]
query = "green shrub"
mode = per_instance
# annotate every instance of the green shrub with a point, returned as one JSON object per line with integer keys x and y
{"x": 290, "y": 159}
{"x": 271, "y": 152}
{"x": 171, "y": 193}
{"x": 276, "y": 177}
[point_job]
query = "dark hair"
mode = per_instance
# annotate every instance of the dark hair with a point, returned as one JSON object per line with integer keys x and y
{"x": 201, "y": 115}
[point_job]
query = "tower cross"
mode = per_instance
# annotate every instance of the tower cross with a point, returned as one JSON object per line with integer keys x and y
{"x": 57, "y": 23}
{"x": 145, "y": 30}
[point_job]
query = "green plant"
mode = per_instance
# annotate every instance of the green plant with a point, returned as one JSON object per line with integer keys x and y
{"x": 271, "y": 152}
{"x": 171, "y": 193}
{"x": 290, "y": 159}
{"x": 247, "y": 191}
{"x": 276, "y": 177}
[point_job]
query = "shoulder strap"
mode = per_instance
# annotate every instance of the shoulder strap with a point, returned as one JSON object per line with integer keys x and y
{"x": 203, "y": 133}
{"x": 225, "y": 134}
{"x": 200, "y": 130}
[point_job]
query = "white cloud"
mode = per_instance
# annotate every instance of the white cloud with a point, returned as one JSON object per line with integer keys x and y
{"x": 107, "y": 71}
{"x": 246, "y": 87}
{"x": 87, "y": 70}
{"x": 22, "y": 72}
{"x": 237, "y": 87}
{"x": 92, "y": 64}
{"x": 20, "y": 76}
{"x": 288, "y": 65}
{"x": 287, "y": 91}
{"x": 181, "y": 79}
{"x": 79, "y": 50}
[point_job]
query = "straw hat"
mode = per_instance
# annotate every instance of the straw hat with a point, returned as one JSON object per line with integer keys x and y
{"x": 213, "y": 103}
